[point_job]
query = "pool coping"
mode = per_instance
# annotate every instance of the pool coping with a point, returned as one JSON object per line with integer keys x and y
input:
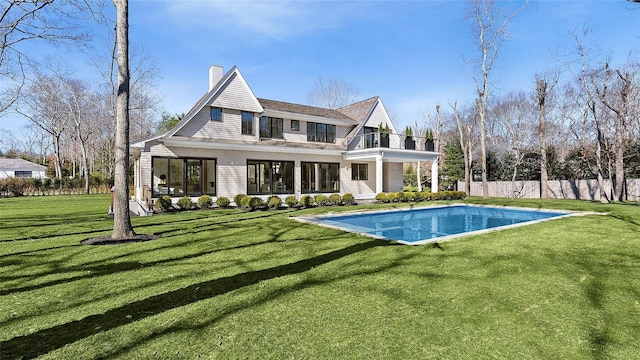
{"x": 564, "y": 214}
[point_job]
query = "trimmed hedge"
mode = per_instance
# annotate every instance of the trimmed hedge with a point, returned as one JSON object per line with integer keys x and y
{"x": 420, "y": 196}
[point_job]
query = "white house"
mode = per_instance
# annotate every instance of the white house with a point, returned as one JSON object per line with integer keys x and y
{"x": 232, "y": 142}
{"x": 21, "y": 168}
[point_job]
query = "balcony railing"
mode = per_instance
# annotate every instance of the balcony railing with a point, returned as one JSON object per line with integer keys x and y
{"x": 392, "y": 141}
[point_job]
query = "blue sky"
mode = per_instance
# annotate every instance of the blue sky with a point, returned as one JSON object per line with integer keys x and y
{"x": 407, "y": 52}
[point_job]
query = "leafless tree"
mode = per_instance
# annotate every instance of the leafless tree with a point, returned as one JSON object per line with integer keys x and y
{"x": 122, "y": 227}
{"x": 545, "y": 83}
{"x": 79, "y": 100}
{"x": 52, "y": 22}
{"x": 44, "y": 107}
{"x": 465, "y": 126}
{"x": 489, "y": 24}
{"x": 586, "y": 99}
{"x": 332, "y": 94}
{"x": 514, "y": 128}
{"x": 619, "y": 105}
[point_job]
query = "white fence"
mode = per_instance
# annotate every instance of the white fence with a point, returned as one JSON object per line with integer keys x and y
{"x": 559, "y": 189}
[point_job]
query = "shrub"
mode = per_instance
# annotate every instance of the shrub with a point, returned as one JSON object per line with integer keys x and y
{"x": 205, "y": 202}
{"x": 348, "y": 199}
{"x": 292, "y": 201}
{"x": 274, "y": 202}
{"x": 410, "y": 196}
{"x": 223, "y": 202}
{"x": 252, "y": 203}
{"x": 306, "y": 201}
{"x": 382, "y": 197}
{"x": 238, "y": 199}
{"x": 418, "y": 196}
{"x": 185, "y": 203}
{"x": 335, "y": 199}
{"x": 322, "y": 200}
{"x": 401, "y": 196}
{"x": 393, "y": 197}
{"x": 427, "y": 195}
{"x": 14, "y": 186}
{"x": 163, "y": 202}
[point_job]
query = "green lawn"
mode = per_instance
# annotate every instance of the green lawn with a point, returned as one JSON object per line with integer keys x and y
{"x": 231, "y": 285}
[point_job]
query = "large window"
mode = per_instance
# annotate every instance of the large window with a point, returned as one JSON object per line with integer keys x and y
{"x": 320, "y": 177}
{"x": 321, "y": 132}
{"x": 269, "y": 177}
{"x": 359, "y": 172}
{"x": 216, "y": 114}
{"x": 270, "y": 127}
{"x": 183, "y": 177}
{"x": 247, "y": 123}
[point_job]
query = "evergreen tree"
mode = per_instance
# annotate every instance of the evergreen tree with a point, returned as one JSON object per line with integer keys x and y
{"x": 453, "y": 168}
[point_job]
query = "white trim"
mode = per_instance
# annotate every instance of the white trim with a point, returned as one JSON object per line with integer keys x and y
{"x": 391, "y": 155}
{"x": 249, "y": 147}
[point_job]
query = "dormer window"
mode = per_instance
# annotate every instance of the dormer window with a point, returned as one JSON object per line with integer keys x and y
{"x": 216, "y": 114}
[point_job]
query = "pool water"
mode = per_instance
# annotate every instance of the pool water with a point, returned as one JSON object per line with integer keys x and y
{"x": 432, "y": 224}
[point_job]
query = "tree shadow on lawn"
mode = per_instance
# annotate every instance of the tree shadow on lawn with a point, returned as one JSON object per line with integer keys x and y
{"x": 101, "y": 267}
{"x": 47, "y": 340}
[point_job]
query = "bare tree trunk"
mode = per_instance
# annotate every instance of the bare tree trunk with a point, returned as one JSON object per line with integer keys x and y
{"x": 603, "y": 193}
{"x": 466, "y": 150}
{"x": 122, "y": 227}
{"x": 544, "y": 177}
{"x": 482, "y": 109}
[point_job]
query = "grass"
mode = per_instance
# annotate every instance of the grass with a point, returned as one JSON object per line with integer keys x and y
{"x": 231, "y": 285}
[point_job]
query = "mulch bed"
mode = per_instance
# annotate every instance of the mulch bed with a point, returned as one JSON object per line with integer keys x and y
{"x": 108, "y": 240}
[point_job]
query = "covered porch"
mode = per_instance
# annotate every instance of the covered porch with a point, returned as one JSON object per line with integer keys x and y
{"x": 389, "y": 155}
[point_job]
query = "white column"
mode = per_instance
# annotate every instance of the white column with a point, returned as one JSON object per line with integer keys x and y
{"x": 418, "y": 176}
{"x": 318, "y": 178}
{"x": 434, "y": 175}
{"x": 378, "y": 174}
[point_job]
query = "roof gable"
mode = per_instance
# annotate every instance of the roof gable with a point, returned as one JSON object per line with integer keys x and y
{"x": 231, "y": 92}
{"x": 359, "y": 111}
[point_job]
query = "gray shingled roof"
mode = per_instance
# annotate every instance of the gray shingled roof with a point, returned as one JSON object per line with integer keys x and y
{"x": 302, "y": 109}
{"x": 20, "y": 165}
{"x": 359, "y": 111}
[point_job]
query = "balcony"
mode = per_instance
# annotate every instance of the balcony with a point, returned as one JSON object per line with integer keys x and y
{"x": 390, "y": 141}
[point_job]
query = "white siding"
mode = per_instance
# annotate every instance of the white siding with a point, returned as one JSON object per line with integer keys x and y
{"x": 358, "y": 186}
{"x": 236, "y": 94}
{"x": 393, "y": 178}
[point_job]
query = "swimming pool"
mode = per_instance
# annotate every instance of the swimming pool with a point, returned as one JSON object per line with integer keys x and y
{"x": 433, "y": 224}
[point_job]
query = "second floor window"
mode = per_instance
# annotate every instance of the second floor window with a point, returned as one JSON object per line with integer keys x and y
{"x": 321, "y": 132}
{"x": 295, "y": 125}
{"x": 270, "y": 127}
{"x": 247, "y": 123}
{"x": 216, "y": 114}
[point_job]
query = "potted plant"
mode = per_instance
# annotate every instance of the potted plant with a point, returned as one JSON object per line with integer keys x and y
{"x": 384, "y": 135}
{"x": 409, "y": 143}
{"x": 428, "y": 140}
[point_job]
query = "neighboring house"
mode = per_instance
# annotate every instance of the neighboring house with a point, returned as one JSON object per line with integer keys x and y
{"x": 21, "y": 168}
{"x": 232, "y": 142}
